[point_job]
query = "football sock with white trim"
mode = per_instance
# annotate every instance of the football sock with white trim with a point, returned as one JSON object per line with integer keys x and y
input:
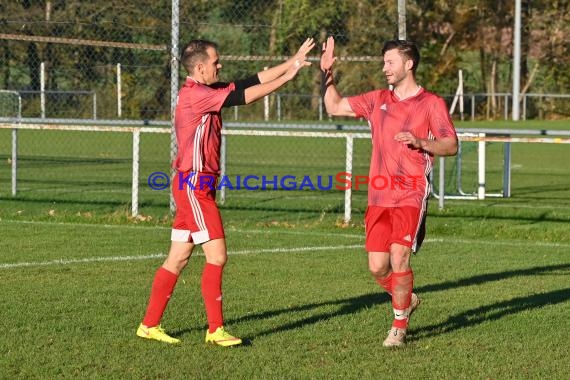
{"x": 402, "y": 285}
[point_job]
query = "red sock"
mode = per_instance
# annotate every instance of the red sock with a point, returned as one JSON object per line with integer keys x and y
{"x": 386, "y": 283}
{"x": 402, "y": 285}
{"x": 162, "y": 288}
{"x": 212, "y": 295}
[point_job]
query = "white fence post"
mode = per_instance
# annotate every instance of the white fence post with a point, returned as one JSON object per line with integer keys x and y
{"x": 42, "y": 90}
{"x": 15, "y": 146}
{"x": 119, "y": 89}
{"x": 94, "y": 105}
{"x": 481, "y": 168}
{"x": 441, "y": 182}
{"x": 461, "y": 100}
{"x": 507, "y": 170}
{"x": 348, "y": 191}
{"x": 266, "y": 103}
{"x": 14, "y": 160}
{"x": 135, "y": 188}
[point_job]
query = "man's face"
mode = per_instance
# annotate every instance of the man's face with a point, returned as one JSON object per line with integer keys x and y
{"x": 210, "y": 68}
{"x": 394, "y": 67}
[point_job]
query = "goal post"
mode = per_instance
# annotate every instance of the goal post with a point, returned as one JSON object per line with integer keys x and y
{"x": 482, "y": 138}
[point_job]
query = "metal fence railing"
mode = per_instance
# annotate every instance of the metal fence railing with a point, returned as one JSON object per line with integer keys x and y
{"x": 123, "y": 164}
{"x": 535, "y": 106}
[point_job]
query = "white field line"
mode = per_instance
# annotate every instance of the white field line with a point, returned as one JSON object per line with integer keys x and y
{"x": 162, "y": 255}
{"x": 78, "y": 261}
{"x": 515, "y": 243}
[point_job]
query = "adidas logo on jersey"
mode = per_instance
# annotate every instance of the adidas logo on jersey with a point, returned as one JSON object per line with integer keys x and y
{"x": 383, "y": 107}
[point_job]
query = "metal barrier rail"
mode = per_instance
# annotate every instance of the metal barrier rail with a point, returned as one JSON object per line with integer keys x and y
{"x": 136, "y": 127}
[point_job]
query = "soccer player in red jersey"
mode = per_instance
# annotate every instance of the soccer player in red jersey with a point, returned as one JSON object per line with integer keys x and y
{"x": 409, "y": 125}
{"x": 198, "y": 125}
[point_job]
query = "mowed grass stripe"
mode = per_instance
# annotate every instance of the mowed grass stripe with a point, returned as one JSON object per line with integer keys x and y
{"x": 300, "y": 233}
{"x": 123, "y": 226}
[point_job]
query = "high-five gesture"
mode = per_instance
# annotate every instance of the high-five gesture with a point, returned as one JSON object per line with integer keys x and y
{"x": 289, "y": 68}
{"x": 301, "y": 56}
{"x": 328, "y": 58}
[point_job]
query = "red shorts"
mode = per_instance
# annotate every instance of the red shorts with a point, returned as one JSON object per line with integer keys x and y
{"x": 197, "y": 219}
{"x": 388, "y": 225}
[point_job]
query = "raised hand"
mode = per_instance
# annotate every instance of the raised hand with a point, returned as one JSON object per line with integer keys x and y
{"x": 300, "y": 58}
{"x": 306, "y": 47}
{"x": 328, "y": 58}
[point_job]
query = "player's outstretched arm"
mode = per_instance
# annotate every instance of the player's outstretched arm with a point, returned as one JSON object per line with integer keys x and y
{"x": 277, "y": 71}
{"x": 257, "y": 92}
{"x": 335, "y": 104}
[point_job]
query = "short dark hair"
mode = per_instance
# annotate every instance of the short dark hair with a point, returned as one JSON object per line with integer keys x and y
{"x": 407, "y": 49}
{"x": 195, "y": 52}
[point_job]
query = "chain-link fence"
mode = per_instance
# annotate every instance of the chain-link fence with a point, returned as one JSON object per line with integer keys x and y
{"x": 80, "y": 60}
{"x": 76, "y": 60}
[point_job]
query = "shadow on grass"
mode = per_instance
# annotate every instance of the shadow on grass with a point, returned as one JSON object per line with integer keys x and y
{"x": 492, "y": 312}
{"x": 489, "y": 277}
{"x": 462, "y": 320}
{"x": 49, "y": 201}
{"x": 102, "y": 198}
{"x": 75, "y": 185}
{"x": 285, "y": 208}
{"x": 48, "y": 162}
{"x": 489, "y": 213}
